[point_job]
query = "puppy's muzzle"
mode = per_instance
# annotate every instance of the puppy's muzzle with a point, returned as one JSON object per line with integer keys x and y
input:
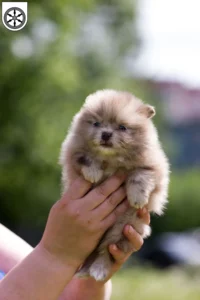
{"x": 105, "y": 136}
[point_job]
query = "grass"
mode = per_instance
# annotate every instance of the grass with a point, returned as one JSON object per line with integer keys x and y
{"x": 153, "y": 284}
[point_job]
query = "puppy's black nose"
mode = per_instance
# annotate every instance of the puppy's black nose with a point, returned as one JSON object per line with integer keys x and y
{"x": 106, "y": 135}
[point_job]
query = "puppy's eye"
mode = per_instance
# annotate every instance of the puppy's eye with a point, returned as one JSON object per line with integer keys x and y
{"x": 96, "y": 124}
{"x": 122, "y": 127}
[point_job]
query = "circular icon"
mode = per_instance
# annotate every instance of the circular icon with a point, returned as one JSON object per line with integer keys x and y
{"x": 14, "y": 18}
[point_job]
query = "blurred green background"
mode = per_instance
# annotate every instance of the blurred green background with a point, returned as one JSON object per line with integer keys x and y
{"x": 67, "y": 50}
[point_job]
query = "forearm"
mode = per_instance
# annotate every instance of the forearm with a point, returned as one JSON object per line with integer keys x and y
{"x": 39, "y": 276}
{"x": 13, "y": 250}
{"x": 87, "y": 289}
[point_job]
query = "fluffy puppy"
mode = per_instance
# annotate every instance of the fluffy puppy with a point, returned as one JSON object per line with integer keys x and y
{"x": 112, "y": 131}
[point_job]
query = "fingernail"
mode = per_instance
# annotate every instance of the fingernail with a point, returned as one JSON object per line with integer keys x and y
{"x": 130, "y": 229}
{"x": 121, "y": 174}
{"x": 144, "y": 210}
{"x": 114, "y": 247}
{"x": 141, "y": 212}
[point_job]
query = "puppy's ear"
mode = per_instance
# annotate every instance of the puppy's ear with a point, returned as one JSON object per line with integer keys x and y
{"x": 147, "y": 110}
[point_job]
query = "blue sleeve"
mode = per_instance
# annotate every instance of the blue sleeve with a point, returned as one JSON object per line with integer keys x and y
{"x": 2, "y": 274}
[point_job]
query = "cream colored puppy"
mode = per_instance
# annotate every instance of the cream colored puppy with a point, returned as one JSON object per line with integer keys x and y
{"x": 112, "y": 131}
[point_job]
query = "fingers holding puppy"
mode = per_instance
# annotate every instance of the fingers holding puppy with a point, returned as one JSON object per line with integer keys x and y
{"x": 143, "y": 214}
{"x": 133, "y": 237}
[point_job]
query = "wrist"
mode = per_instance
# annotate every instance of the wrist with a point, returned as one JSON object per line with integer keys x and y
{"x": 104, "y": 286}
{"x": 87, "y": 288}
{"x": 57, "y": 262}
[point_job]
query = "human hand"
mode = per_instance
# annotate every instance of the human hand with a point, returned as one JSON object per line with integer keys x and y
{"x": 79, "y": 219}
{"x": 89, "y": 288}
{"x": 134, "y": 238}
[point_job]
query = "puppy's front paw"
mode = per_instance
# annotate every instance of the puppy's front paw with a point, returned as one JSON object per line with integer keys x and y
{"x": 136, "y": 197}
{"x": 92, "y": 173}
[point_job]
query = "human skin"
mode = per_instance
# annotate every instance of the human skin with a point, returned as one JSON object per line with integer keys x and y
{"x": 49, "y": 268}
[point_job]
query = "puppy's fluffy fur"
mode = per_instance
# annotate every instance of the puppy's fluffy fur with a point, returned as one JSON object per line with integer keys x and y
{"x": 112, "y": 131}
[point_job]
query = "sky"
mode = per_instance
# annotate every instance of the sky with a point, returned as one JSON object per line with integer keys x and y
{"x": 170, "y": 35}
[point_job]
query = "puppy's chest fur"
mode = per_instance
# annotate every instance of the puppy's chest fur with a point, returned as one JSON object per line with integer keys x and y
{"x": 107, "y": 165}
{"x": 110, "y": 166}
